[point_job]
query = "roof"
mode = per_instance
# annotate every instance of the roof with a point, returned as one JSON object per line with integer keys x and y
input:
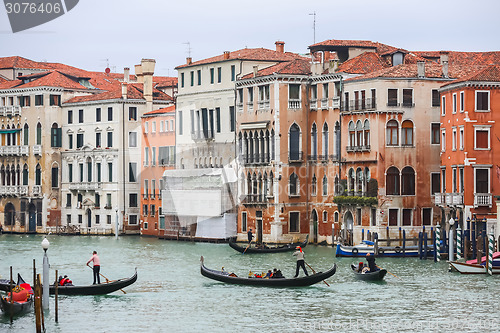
{"x": 168, "y": 109}
{"x": 164, "y": 81}
{"x": 257, "y": 54}
{"x": 17, "y": 62}
{"x": 489, "y": 73}
{"x": 295, "y": 67}
{"x": 345, "y": 43}
{"x": 364, "y": 63}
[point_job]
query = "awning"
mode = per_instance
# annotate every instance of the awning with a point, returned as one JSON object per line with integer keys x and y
{"x": 9, "y": 131}
{"x": 254, "y": 125}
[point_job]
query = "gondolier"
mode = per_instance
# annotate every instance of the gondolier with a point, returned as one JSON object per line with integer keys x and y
{"x": 300, "y": 261}
{"x": 96, "y": 268}
{"x": 250, "y": 235}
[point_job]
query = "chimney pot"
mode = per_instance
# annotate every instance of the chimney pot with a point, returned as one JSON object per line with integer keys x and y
{"x": 124, "y": 90}
{"x": 226, "y": 55}
{"x": 444, "y": 63}
{"x": 138, "y": 73}
{"x": 255, "y": 70}
{"x": 189, "y": 61}
{"x": 421, "y": 69}
{"x": 126, "y": 74}
{"x": 280, "y": 46}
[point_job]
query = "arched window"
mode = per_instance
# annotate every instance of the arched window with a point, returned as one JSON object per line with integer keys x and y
{"x": 249, "y": 184}
{"x": 271, "y": 184}
{"x": 408, "y": 181}
{"x": 251, "y": 147}
{"x": 314, "y": 183}
{"x": 325, "y": 141}
{"x": 336, "y": 186}
{"x": 265, "y": 184}
{"x": 55, "y": 136}
{"x": 272, "y": 146}
{"x": 366, "y": 129}
{"x": 294, "y": 147}
{"x": 262, "y": 147}
{"x": 254, "y": 186}
{"x": 55, "y": 175}
{"x": 350, "y": 181}
{"x": 336, "y": 217}
{"x": 359, "y": 181}
{"x": 314, "y": 142}
{"x": 325, "y": 216}
{"x": 25, "y": 175}
{"x": 352, "y": 134}
{"x": 325, "y": 185}
{"x": 392, "y": 181}
{"x": 407, "y": 133}
{"x": 246, "y": 151}
{"x": 240, "y": 147}
{"x": 293, "y": 184}
{"x": 38, "y": 134}
{"x": 267, "y": 147}
{"x": 359, "y": 133}
{"x": 260, "y": 188}
{"x": 392, "y": 137}
{"x": 38, "y": 175}
{"x": 257, "y": 147}
{"x": 26, "y": 135}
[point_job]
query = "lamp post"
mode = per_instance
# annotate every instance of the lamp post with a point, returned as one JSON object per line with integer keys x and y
{"x": 45, "y": 295}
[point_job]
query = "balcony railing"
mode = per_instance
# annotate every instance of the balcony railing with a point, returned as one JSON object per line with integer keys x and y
{"x": 202, "y": 135}
{"x": 37, "y": 150}
{"x": 84, "y": 186}
{"x": 314, "y": 104}
{"x": 323, "y": 158}
{"x": 37, "y": 190}
{"x": 448, "y": 199}
{"x": 336, "y": 102}
{"x": 482, "y": 199}
{"x": 254, "y": 199}
{"x": 10, "y": 110}
{"x": 359, "y": 105}
{"x": 264, "y": 105}
{"x": 324, "y": 103}
{"x": 239, "y": 107}
{"x": 294, "y": 103}
{"x": 250, "y": 106}
{"x": 312, "y": 158}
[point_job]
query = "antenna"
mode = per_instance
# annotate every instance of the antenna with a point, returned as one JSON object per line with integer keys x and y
{"x": 314, "y": 27}
{"x": 189, "y": 48}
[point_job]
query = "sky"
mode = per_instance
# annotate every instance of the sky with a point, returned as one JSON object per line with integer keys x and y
{"x": 118, "y": 33}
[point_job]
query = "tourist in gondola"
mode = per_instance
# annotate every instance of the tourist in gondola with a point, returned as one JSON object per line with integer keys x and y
{"x": 65, "y": 281}
{"x": 96, "y": 268}
{"x": 300, "y": 261}
{"x": 371, "y": 262}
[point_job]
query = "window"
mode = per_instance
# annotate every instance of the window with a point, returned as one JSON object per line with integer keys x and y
{"x": 454, "y": 138}
{"x": 359, "y": 133}
{"x": 408, "y": 97}
{"x": 407, "y": 216}
{"x": 198, "y": 74}
{"x": 325, "y": 90}
{"x": 313, "y": 185}
{"x": 132, "y": 199}
{"x": 132, "y": 219}
{"x": 161, "y": 126}
{"x": 294, "y": 145}
{"x": 179, "y": 121}
{"x": 461, "y": 180}
{"x": 110, "y": 139}
{"x": 217, "y": 116}
{"x": 392, "y": 137}
{"x": 352, "y": 134}
{"x": 146, "y": 187}
{"x": 70, "y": 116}
{"x": 212, "y": 75}
{"x": 182, "y": 80}
{"x": 243, "y": 221}
{"x": 38, "y": 100}
{"x": 132, "y": 172}
{"x": 393, "y": 216}
{"x": 443, "y": 140}
{"x": 38, "y": 134}
{"x": 454, "y": 103}
{"x": 98, "y": 170}
{"x": 145, "y": 210}
{"x": 233, "y": 72}
{"x": 108, "y": 219}
{"x": 427, "y": 216}
{"x": 98, "y": 114}
{"x": 97, "y": 200}
{"x": 314, "y": 142}
{"x": 153, "y": 187}
{"x": 294, "y": 95}
{"x": 366, "y": 129}
{"x": 482, "y": 100}
{"x": 293, "y": 184}
{"x": 146, "y": 156}
{"x": 132, "y": 113}
{"x": 443, "y": 105}
{"x": 152, "y": 210}
{"x": 219, "y": 74}
{"x": 294, "y": 222}
{"x": 153, "y": 156}
{"x": 191, "y": 75}
{"x": 68, "y": 200}
{"x": 97, "y": 219}
{"x": 25, "y": 101}
{"x": 110, "y": 172}
{"x": 146, "y": 127}
{"x": 55, "y": 136}
{"x": 373, "y": 216}
{"x": 132, "y": 139}
{"x": 108, "y": 200}
{"x": 443, "y": 180}
{"x": 435, "y": 97}
{"x": 232, "y": 119}
{"x": 110, "y": 114}
{"x": 482, "y": 180}
{"x": 407, "y": 133}
{"x": 392, "y": 181}
{"x": 325, "y": 185}
{"x": 55, "y": 176}
{"x": 80, "y": 172}
{"x": 392, "y": 97}
{"x": 98, "y": 140}
{"x": 408, "y": 181}
{"x": 80, "y": 116}
{"x": 325, "y": 141}
{"x": 325, "y": 216}
{"x": 70, "y": 173}
{"x": 38, "y": 175}
{"x": 481, "y": 138}
{"x": 314, "y": 92}
{"x": 454, "y": 180}
{"x": 435, "y": 130}
{"x": 26, "y": 132}
{"x": 462, "y": 101}
{"x": 79, "y": 140}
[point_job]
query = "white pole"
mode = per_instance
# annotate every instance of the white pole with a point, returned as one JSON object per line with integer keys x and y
{"x": 117, "y": 224}
{"x": 451, "y": 247}
{"x": 45, "y": 288}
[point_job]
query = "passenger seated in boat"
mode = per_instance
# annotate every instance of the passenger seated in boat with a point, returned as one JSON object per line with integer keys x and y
{"x": 65, "y": 281}
{"x": 268, "y": 275}
{"x": 371, "y": 263}
{"x": 360, "y": 267}
{"x": 277, "y": 274}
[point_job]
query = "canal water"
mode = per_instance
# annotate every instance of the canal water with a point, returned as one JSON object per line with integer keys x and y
{"x": 171, "y": 295}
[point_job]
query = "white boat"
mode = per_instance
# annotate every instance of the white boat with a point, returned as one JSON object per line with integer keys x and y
{"x": 465, "y": 268}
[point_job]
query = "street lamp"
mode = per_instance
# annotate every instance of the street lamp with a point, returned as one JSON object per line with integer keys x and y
{"x": 45, "y": 295}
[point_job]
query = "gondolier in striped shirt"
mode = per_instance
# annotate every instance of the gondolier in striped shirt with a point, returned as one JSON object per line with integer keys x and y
{"x": 96, "y": 268}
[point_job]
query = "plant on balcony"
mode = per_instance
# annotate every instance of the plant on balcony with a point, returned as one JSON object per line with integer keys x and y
{"x": 342, "y": 200}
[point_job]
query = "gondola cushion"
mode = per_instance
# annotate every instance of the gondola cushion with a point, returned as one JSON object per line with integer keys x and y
{"x": 20, "y": 296}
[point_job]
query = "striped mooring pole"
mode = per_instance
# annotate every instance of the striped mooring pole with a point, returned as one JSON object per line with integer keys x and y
{"x": 438, "y": 242}
{"x": 459, "y": 242}
{"x": 491, "y": 249}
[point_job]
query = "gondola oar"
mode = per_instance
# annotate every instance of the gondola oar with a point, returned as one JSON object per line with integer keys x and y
{"x": 315, "y": 273}
{"x": 389, "y": 272}
{"x": 247, "y": 247}
{"x": 107, "y": 280}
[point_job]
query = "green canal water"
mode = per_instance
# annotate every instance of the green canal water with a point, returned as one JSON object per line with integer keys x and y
{"x": 170, "y": 294}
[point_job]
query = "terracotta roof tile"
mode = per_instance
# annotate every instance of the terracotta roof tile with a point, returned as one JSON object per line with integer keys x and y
{"x": 10, "y": 84}
{"x": 489, "y": 73}
{"x": 168, "y": 109}
{"x": 17, "y": 62}
{"x": 295, "y": 67}
{"x": 379, "y": 47}
{"x": 364, "y": 63}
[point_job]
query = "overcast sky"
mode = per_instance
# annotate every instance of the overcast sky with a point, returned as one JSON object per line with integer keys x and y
{"x": 120, "y": 33}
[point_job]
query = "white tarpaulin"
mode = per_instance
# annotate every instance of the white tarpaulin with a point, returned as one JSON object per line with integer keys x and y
{"x": 216, "y": 227}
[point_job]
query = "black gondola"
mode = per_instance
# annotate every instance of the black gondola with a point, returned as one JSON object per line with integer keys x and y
{"x": 95, "y": 289}
{"x": 265, "y": 249}
{"x": 277, "y": 282}
{"x": 17, "y": 306}
{"x": 369, "y": 276}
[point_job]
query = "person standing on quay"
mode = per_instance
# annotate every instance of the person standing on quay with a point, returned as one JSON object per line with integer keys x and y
{"x": 96, "y": 268}
{"x": 300, "y": 261}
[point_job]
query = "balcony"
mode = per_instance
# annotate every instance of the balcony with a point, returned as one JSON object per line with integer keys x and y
{"x": 239, "y": 107}
{"x": 84, "y": 186}
{"x": 37, "y": 190}
{"x": 312, "y": 158}
{"x": 359, "y": 105}
{"x": 314, "y": 104}
{"x": 336, "y": 102}
{"x": 324, "y": 103}
{"x": 439, "y": 199}
{"x": 202, "y": 135}
{"x": 264, "y": 105}
{"x": 254, "y": 199}
{"x": 448, "y": 199}
{"x": 483, "y": 199}
{"x": 294, "y": 103}
{"x": 408, "y": 104}
{"x": 250, "y": 106}
{"x": 350, "y": 149}
{"x": 323, "y": 158}
{"x": 10, "y": 110}
{"x": 25, "y": 150}
{"x": 295, "y": 157}
{"x": 37, "y": 150}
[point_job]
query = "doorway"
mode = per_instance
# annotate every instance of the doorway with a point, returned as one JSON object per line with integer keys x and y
{"x": 313, "y": 226}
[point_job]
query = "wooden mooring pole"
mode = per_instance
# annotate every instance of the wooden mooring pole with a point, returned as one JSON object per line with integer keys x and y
{"x": 38, "y": 305}
{"x": 56, "y": 284}
{"x": 11, "y": 287}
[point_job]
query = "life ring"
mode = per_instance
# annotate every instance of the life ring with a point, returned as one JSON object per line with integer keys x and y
{"x": 355, "y": 251}
{"x": 380, "y": 250}
{"x": 397, "y": 249}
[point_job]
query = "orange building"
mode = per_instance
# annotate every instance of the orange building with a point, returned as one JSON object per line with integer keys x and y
{"x": 470, "y": 140}
{"x": 158, "y": 155}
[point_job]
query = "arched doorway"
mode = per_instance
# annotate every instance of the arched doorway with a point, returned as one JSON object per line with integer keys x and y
{"x": 313, "y": 226}
{"x": 32, "y": 217}
{"x": 89, "y": 218}
{"x": 10, "y": 214}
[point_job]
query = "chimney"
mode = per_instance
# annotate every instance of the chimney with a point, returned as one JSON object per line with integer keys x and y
{"x": 444, "y": 63}
{"x": 126, "y": 74}
{"x": 148, "y": 69}
{"x": 333, "y": 65}
{"x": 226, "y": 55}
{"x": 326, "y": 56}
{"x": 421, "y": 69}
{"x": 124, "y": 90}
{"x": 280, "y": 46}
{"x": 255, "y": 70}
{"x": 189, "y": 61}
{"x": 138, "y": 73}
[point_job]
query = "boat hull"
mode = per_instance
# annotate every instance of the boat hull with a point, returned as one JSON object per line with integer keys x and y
{"x": 95, "y": 289}
{"x": 16, "y": 308}
{"x": 465, "y": 268}
{"x": 362, "y": 250}
{"x": 278, "y": 282}
{"x": 284, "y": 248}
{"x": 369, "y": 276}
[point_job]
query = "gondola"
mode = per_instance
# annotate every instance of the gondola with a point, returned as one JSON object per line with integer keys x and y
{"x": 278, "y": 282}
{"x": 23, "y": 299}
{"x": 368, "y": 276}
{"x": 265, "y": 249}
{"x": 94, "y": 289}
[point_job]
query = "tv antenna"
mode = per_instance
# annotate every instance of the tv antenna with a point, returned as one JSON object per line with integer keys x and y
{"x": 189, "y": 48}
{"x": 314, "y": 27}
